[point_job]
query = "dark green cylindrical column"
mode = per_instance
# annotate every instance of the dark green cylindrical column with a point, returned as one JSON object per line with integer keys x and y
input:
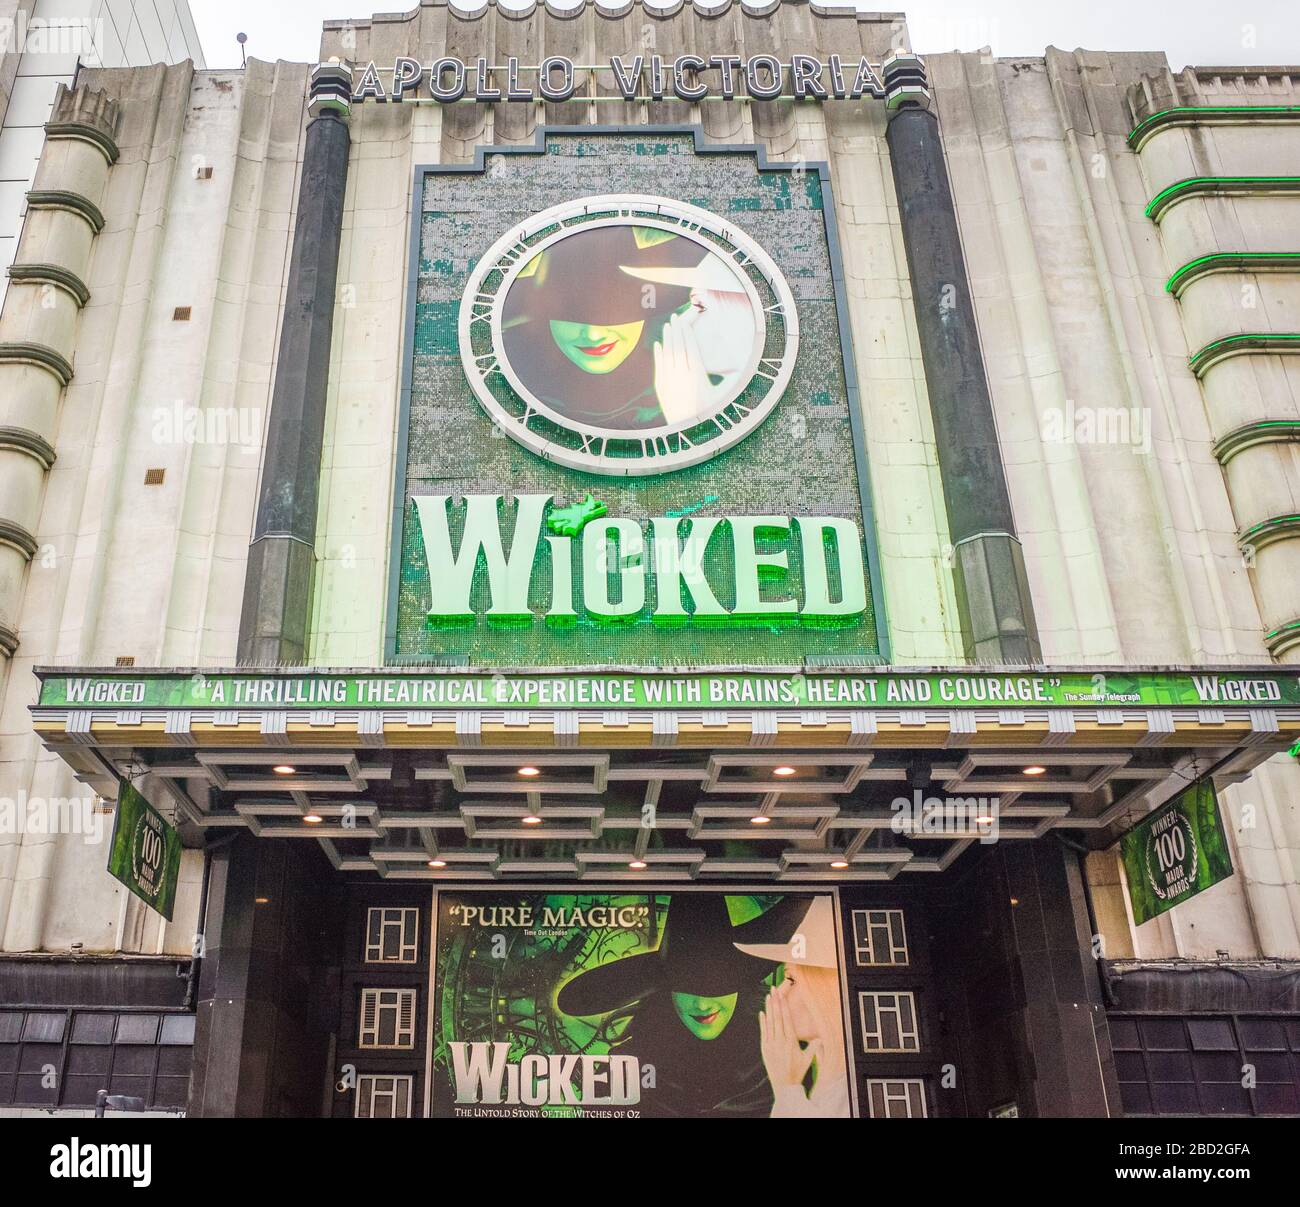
{"x": 273, "y": 625}
{"x": 992, "y": 588}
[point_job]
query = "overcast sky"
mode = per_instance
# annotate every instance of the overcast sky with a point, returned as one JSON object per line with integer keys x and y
{"x": 1202, "y": 32}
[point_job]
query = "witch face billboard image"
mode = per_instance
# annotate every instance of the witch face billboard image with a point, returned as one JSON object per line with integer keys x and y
{"x": 627, "y": 327}
{"x": 637, "y": 1005}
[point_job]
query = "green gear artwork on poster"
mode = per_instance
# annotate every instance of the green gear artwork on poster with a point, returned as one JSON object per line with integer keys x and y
{"x": 629, "y": 436}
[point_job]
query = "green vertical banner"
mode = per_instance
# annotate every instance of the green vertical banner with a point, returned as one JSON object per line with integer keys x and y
{"x": 146, "y": 851}
{"x": 1177, "y": 852}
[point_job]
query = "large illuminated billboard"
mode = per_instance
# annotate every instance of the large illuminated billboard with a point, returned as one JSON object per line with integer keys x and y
{"x": 630, "y": 425}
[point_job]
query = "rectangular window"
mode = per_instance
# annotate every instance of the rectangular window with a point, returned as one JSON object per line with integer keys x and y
{"x": 888, "y": 1022}
{"x": 896, "y": 1098}
{"x": 392, "y": 935}
{"x": 384, "y": 1097}
{"x": 387, "y": 1018}
{"x": 879, "y": 938}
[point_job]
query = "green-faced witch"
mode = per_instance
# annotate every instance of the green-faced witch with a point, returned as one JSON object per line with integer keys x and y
{"x": 693, "y": 1007}
{"x": 579, "y": 329}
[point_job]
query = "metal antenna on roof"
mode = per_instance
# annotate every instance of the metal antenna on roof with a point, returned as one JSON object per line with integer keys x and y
{"x": 243, "y": 54}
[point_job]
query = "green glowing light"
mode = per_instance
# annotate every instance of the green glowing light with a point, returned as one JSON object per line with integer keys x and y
{"x": 1247, "y": 341}
{"x": 1231, "y": 261}
{"x": 1222, "y": 185}
{"x": 1189, "y": 115}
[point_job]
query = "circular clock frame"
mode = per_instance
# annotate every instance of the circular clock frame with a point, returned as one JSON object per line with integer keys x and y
{"x": 504, "y": 394}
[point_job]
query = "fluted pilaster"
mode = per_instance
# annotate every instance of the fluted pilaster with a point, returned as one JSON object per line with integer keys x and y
{"x": 38, "y": 324}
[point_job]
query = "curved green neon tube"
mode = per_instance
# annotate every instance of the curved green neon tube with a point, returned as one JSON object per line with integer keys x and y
{"x": 1217, "y": 185}
{"x": 1231, "y": 261}
{"x": 1236, "y": 345}
{"x": 1208, "y": 115}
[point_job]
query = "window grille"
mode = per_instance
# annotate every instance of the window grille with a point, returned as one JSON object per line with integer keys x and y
{"x": 385, "y": 1097}
{"x": 387, "y": 1018}
{"x": 888, "y": 1022}
{"x": 392, "y": 935}
{"x": 879, "y": 937}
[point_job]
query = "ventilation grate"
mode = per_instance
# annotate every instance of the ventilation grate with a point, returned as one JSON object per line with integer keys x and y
{"x": 392, "y": 935}
{"x": 387, "y": 1018}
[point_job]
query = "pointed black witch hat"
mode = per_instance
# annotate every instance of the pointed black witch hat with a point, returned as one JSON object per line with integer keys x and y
{"x": 697, "y": 954}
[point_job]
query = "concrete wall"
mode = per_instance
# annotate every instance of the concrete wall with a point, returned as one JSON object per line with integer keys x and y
{"x": 60, "y": 34}
{"x": 127, "y": 569}
{"x": 1130, "y": 533}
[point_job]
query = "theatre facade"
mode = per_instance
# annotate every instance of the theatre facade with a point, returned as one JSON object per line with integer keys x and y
{"x": 654, "y": 559}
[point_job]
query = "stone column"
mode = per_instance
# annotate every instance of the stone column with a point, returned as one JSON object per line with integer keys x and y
{"x": 997, "y": 616}
{"x": 260, "y": 1043}
{"x": 39, "y": 322}
{"x": 1024, "y": 1017}
{"x": 281, "y": 560}
{"x": 265, "y": 993}
{"x": 1064, "y": 1016}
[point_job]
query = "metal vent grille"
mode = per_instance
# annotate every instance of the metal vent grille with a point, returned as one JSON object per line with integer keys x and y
{"x": 154, "y": 476}
{"x": 879, "y": 938}
{"x": 392, "y": 935}
{"x": 889, "y": 1022}
{"x": 387, "y": 1018}
{"x": 896, "y": 1098}
{"x": 386, "y": 1097}
{"x": 124, "y": 660}
{"x": 181, "y": 314}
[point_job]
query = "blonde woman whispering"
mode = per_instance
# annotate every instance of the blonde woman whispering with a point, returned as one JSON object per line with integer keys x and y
{"x": 800, "y": 1028}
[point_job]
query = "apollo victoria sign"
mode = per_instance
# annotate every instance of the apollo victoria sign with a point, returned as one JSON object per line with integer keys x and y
{"x": 687, "y": 77}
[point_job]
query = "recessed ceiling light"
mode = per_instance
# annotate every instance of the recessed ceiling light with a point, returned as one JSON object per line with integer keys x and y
{"x": 284, "y": 769}
{"x": 839, "y": 863}
{"x": 782, "y": 770}
{"x": 437, "y": 863}
{"x": 529, "y": 771}
{"x": 532, "y": 820}
{"x": 1035, "y": 770}
{"x": 312, "y": 819}
{"x": 760, "y": 820}
{"x": 261, "y": 900}
{"x": 637, "y": 865}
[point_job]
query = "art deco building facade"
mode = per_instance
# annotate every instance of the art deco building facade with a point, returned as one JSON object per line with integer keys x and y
{"x": 44, "y": 44}
{"x": 969, "y": 543}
